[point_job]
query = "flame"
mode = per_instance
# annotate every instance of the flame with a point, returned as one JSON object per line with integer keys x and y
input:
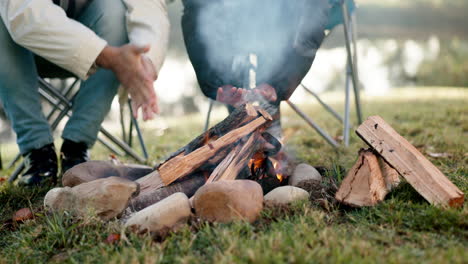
{"x": 277, "y": 166}
{"x": 258, "y": 164}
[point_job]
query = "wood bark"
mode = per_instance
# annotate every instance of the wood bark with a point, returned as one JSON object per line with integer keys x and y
{"x": 426, "y": 178}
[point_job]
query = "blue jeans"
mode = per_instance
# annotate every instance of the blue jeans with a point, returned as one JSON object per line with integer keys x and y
{"x": 19, "y": 86}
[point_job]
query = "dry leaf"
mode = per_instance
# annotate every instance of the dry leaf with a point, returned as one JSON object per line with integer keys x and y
{"x": 112, "y": 239}
{"x": 22, "y": 215}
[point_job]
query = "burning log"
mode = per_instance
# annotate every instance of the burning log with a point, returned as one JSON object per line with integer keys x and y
{"x": 429, "y": 181}
{"x": 227, "y": 146}
{"x": 188, "y": 187}
{"x": 235, "y": 161}
{"x": 182, "y": 165}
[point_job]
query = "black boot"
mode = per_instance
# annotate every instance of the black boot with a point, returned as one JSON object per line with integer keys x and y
{"x": 41, "y": 167}
{"x": 72, "y": 154}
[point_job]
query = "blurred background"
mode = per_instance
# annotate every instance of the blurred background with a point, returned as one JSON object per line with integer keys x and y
{"x": 417, "y": 43}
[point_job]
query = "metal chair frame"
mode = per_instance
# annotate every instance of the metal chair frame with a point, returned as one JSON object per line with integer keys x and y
{"x": 61, "y": 102}
{"x": 352, "y": 78}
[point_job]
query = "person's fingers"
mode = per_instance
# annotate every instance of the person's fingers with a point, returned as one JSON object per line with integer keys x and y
{"x": 220, "y": 94}
{"x": 140, "y": 49}
{"x": 135, "y": 107}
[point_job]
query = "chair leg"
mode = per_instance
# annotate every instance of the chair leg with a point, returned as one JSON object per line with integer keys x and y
{"x": 208, "y": 115}
{"x": 17, "y": 172}
{"x": 1, "y": 162}
{"x": 122, "y": 123}
{"x": 309, "y": 121}
{"x": 346, "y": 111}
{"x": 325, "y": 105}
{"x": 135, "y": 124}
{"x": 346, "y": 27}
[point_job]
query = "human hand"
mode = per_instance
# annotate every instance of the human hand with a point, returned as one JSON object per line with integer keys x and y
{"x": 136, "y": 73}
{"x": 231, "y": 95}
{"x": 266, "y": 91}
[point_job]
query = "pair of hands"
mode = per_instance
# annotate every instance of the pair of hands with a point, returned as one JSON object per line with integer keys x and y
{"x": 234, "y": 96}
{"x": 136, "y": 72}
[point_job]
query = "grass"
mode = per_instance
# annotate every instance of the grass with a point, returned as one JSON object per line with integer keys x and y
{"x": 402, "y": 229}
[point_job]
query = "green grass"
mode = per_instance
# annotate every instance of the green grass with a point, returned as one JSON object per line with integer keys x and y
{"x": 402, "y": 229}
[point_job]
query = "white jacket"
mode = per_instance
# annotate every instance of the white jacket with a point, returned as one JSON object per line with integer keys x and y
{"x": 43, "y": 28}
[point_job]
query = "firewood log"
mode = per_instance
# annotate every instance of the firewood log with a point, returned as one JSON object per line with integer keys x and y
{"x": 237, "y": 159}
{"x": 186, "y": 162}
{"x": 426, "y": 178}
{"x": 364, "y": 185}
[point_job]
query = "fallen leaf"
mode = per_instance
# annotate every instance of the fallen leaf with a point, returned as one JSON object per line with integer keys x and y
{"x": 112, "y": 239}
{"x": 22, "y": 215}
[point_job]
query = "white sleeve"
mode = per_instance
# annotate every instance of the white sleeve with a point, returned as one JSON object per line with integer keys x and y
{"x": 148, "y": 23}
{"x": 43, "y": 28}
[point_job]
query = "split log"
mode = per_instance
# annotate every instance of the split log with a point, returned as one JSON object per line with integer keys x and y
{"x": 184, "y": 164}
{"x": 181, "y": 166}
{"x": 239, "y": 117}
{"x": 390, "y": 175}
{"x": 364, "y": 184}
{"x": 236, "y": 161}
{"x": 429, "y": 181}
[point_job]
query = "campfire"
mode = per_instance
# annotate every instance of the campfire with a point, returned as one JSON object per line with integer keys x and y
{"x": 228, "y": 172}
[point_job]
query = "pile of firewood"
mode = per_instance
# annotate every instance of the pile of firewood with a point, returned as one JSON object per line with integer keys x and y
{"x": 378, "y": 170}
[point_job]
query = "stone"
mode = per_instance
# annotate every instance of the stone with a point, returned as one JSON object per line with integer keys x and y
{"x": 167, "y": 215}
{"x": 96, "y": 169}
{"x": 106, "y": 197}
{"x": 285, "y": 195}
{"x": 229, "y": 200}
{"x": 304, "y": 174}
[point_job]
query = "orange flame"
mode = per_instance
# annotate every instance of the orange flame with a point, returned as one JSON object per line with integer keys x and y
{"x": 277, "y": 166}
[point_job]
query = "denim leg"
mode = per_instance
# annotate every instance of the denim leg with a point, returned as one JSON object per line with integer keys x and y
{"x": 20, "y": 96}
{"x": 94, "y": 99}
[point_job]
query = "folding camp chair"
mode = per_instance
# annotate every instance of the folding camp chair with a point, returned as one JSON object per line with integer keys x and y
{"x": 342, "y": 12}
{"x": 61, "y": 100}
